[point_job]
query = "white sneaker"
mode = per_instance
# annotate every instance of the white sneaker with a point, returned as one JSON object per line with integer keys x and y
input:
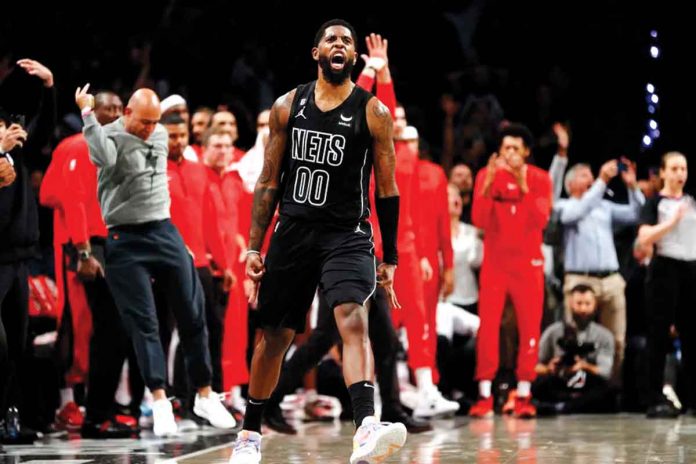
{"x": 433, "y": 404}
{"x": 163, "y": 418}
{"x": 213, "y": 411}
{"x": 375, "y": 441}
{"x": 236, "y": 400}
{"x": 247, "y": 448}
{"x": 671, "y": 395}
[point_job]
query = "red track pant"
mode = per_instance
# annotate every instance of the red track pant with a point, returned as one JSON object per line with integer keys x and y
{"x": 524, "y": 282}
{"x": 408, "y": 285}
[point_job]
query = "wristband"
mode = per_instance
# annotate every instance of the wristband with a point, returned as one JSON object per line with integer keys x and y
{"x": 388, "y": 216}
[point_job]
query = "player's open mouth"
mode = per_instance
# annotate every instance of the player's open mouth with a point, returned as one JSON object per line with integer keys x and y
{"x": 338, "y": 61}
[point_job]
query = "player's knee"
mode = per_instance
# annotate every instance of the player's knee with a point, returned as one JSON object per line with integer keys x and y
{"x": 351, "y": 319}
{"x": 276, "y": 341}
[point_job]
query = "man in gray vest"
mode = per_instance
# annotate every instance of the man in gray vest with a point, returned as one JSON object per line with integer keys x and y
{"x": 143, "y": 245}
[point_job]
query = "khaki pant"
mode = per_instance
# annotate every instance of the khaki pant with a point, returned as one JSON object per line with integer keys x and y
{"x": 611, "y": 310}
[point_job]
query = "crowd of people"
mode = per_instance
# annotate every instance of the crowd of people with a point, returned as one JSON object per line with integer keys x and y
{"x": 518, "y": 290}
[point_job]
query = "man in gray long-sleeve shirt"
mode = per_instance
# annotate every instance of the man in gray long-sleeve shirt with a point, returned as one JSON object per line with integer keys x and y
{"x": 588, "y": 238}
{"x": 142, "y": 245}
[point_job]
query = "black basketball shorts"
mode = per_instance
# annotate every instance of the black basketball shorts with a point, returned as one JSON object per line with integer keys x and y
{"x": 303, "y": 256}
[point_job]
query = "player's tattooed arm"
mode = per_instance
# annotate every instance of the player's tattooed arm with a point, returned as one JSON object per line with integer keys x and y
{"x": 266, "y": 190}
{"x": 381, "y": 127}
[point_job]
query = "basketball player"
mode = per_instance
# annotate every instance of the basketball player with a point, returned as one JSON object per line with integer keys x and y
{"x": 324, "y": 137}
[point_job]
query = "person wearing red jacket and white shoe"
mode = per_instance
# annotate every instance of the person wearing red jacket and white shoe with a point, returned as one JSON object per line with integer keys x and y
{"x": 414, "y": 267}
{"x": 512, "y": 204}
{"x": 437, "y": 238}
{"x": 189, "y": 191}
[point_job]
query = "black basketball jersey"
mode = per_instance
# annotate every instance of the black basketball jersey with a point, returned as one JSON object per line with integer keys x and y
{"x": 328, "y": 160}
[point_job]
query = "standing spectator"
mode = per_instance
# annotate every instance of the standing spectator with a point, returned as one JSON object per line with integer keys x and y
{"x": 462, "y": 177}
{"x": 668, "y": 222}
{"x": 588, "y": 222}
{"x": 512, "y": 202}
{"x": 200, "y": 122}
{"x": 468, "y": 254}
{"x": 19, "y": 231}
{"x": 143, "y": 244}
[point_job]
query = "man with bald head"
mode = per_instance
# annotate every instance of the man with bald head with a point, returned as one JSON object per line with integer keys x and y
{"x": 69, "y": 187}
{"x": 143, "y": 245}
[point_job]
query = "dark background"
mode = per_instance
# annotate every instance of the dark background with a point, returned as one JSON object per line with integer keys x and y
{"x": 591, "y": 59}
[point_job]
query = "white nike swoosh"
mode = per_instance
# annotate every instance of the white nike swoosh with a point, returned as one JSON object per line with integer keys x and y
{"x": 369, "y": 386}
{"x": 346, "y": 119}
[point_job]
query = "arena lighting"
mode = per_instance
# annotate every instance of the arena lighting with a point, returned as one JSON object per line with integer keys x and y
{"x": 651, "y": 98}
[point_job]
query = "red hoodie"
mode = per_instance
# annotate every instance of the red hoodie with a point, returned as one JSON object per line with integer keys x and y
{"x": 189, "y": 190}
{"x": 435, "y": 213}
{"x": 82, "y": 212}
{"x": 512, "y": 221}
{"x": 410, "y": 236}
{"x": 52, "y": 193}
{"x": 221, "y": 215}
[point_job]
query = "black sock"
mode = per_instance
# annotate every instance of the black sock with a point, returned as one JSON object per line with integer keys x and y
{"x": 252, "y": 416}
{"x": 362, "y": 397}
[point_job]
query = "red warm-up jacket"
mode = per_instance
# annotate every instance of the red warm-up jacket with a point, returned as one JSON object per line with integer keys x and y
{"x": 511, "y": 220}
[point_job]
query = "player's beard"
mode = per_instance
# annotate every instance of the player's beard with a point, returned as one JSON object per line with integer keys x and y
{"x": 335, "y": 77}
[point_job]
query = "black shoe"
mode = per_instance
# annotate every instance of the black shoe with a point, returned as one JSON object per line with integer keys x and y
{"x": 13, "y": 433}
{"x": 412, "y": 425}
{"x": 273, "y": 418}
{"x": 548, "y": 409}
{"x": 663, "y": 410}
{"x": 25, "y": 436}
{"x": 108, "y": 429}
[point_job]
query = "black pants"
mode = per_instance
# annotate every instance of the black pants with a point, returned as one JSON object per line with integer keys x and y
{"x": 384, "y": 346}
{"x": 137, "y": 254}
{"x": 594, "y": 397}
{"x": 14, "y": 319}
{"x": 109, "y": 347}
{"x": 215, "y": 321}
{"x": 670, "y": 294}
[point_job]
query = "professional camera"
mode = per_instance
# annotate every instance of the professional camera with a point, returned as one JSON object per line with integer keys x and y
{"x": 572, "y": 348}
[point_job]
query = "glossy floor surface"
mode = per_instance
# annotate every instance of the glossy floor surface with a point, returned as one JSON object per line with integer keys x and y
{"x": 570, "y": 439}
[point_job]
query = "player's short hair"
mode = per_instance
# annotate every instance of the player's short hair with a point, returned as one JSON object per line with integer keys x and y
{"x": 335, "y": 22}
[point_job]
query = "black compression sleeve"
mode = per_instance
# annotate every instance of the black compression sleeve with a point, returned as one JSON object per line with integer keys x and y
{"x": 388, "y": 215}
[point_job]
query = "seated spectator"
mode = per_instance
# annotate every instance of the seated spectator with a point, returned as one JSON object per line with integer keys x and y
{"x": 575, "y": 360}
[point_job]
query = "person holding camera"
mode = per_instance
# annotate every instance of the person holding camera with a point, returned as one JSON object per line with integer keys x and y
{"x": 588, "y": 222}
{"x": 575, "y": 360}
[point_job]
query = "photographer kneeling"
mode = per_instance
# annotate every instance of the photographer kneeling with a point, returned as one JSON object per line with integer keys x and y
{"x": 575, "y": 360}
